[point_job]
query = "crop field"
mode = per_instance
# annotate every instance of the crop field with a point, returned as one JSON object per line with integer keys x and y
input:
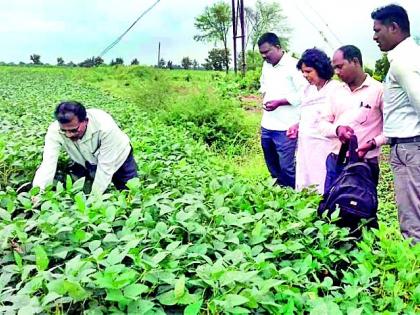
{"x": 201, "y": 231}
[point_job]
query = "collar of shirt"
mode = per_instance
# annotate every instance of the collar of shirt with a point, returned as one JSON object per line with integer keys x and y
{"x": 285, "y": 59}
{"x": 406, "y": 44}
{"x": 366, "y": 83}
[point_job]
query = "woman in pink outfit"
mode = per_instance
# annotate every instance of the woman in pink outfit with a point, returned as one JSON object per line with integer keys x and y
{"x": 312, "y": 147}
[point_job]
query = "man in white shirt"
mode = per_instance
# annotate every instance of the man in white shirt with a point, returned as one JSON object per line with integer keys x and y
{"x": 97, "y": 146}
{"x": 281, "y": 87}
{"x": 402, "y": 111}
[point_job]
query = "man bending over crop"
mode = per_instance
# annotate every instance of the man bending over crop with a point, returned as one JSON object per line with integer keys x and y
{"x": 96, "y": 145}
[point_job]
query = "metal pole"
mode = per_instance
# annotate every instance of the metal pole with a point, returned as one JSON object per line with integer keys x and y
{"x": 242, "y": 21}
{"x": 235, "y": 67}
{"x": 158, "y": 64}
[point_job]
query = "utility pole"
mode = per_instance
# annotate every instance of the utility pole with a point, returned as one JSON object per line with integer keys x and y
{"x": 158, "y": 63}
{"x": 238, "y": 17}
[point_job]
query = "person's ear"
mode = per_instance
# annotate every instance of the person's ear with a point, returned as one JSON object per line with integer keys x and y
{"x": 394, "y": 27}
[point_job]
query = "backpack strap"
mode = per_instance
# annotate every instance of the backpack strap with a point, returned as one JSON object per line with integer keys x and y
{"x": 351, "y": 147}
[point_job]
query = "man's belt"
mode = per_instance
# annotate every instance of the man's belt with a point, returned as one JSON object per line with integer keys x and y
{"x": 393, "y": 141}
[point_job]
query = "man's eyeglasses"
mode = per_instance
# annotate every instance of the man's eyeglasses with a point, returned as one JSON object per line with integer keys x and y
{"x": 71, "y": 131}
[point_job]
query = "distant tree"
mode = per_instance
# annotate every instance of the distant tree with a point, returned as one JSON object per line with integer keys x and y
{"x": 36, "y": 59}
{"x": 253, "y": 60}
{"x": 417, "y": 39}
{"x": 161, "y": 63}
{"x": 21, "y": 63}
{"x": 381, "y": 67}
{"x": 266, "y": 17}
{"x": 60, "y": 61}
{"x": 214, "y": 25}
{"x": 169, "y": 65}
{"x": 207, "y": 65}
{"x": 97, "y": 61}
{"x": 87, "y": 63}
{"x": 134, "y": 62}
{"x": 117, "y": 61}
{"x": 217, "y": 59}
{"x": 71, "y": 64}
{"x": 186, "y": 63}
{"x": 195, "y": 64}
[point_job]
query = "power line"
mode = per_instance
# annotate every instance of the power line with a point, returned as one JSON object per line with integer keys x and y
{"x": 323, "y": 21}
{"x": 115, "y": 42}
{"x": 314, "y": 26}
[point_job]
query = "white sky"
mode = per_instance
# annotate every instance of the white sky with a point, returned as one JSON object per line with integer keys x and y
{"x": 78, "y": 29}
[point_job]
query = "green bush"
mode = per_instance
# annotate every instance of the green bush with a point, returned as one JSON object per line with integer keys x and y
{"x": 217, "y": 122}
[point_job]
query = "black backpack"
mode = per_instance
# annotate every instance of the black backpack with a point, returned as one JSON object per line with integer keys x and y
{"x": 354, "y": 191}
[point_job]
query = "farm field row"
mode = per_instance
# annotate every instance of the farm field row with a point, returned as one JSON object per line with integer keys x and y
{"x": 192, "y": 235}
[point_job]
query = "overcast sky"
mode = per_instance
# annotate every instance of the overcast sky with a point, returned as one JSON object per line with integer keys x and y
{"x": 78, "y": 29}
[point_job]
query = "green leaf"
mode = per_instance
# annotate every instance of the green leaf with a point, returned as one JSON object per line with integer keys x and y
{"x": 110, "y": 213}
{"x": 168, "y": 298}
{"x": 159, "y": 257}
{"x": 355, "y": 311}
{"x": 193, "y": 309}
{"x": 57, "y": 286}
{"x": 116, "y": 295}
{"x": 78, "y": 185}
{"x": 69, "y": 183}
{"x": 335, "y": 215}
{"x": 233, "y": 300}
{"x": 4, "y": 215}
{"x": 324, "y": 307}
{"x": 41, "y": 258}
{"x": 18, "y": 260}
{"x": 140, "y": 307}
{"x": 172, "y": 246}
{"x": 133, "y": 291}
{"x": 72, "y": 288}
{"x": 306, "y": 212}
{"x": 179, "y": 289}
{"x": 115, "y": 257}
{"x": 51, "y": 296}
{"x": 80, "y": 202}
{"x": 93, "y": 245}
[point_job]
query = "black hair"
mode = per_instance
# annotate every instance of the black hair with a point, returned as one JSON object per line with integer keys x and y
{"x": 393, "y": 14}
{"x": 350, "y": 52}
{"x": 317, "y": 59}
{"x": 270, "y": 38}
{"x": 66, "y": 110}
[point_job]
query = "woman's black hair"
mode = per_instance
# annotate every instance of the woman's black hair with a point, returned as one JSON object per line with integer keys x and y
{"x": 317, "y": 59}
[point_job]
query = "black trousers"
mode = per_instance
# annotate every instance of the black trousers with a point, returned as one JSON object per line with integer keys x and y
{"x": 120, "y": 178}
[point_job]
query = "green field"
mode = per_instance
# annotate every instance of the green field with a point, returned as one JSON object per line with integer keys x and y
{"x": 202, "y": 231}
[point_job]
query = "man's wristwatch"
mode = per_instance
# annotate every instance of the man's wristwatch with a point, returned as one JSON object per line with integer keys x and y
{"x": 372, "y": 143}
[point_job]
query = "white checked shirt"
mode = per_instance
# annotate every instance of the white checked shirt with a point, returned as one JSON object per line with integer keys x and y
{"x": 103, "y": 144}
{"x": 402, "y": 91}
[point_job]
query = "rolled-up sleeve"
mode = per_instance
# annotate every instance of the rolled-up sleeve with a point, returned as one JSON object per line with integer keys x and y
{"x": 44, "y": 176}
{"x": 299, "y": 83}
